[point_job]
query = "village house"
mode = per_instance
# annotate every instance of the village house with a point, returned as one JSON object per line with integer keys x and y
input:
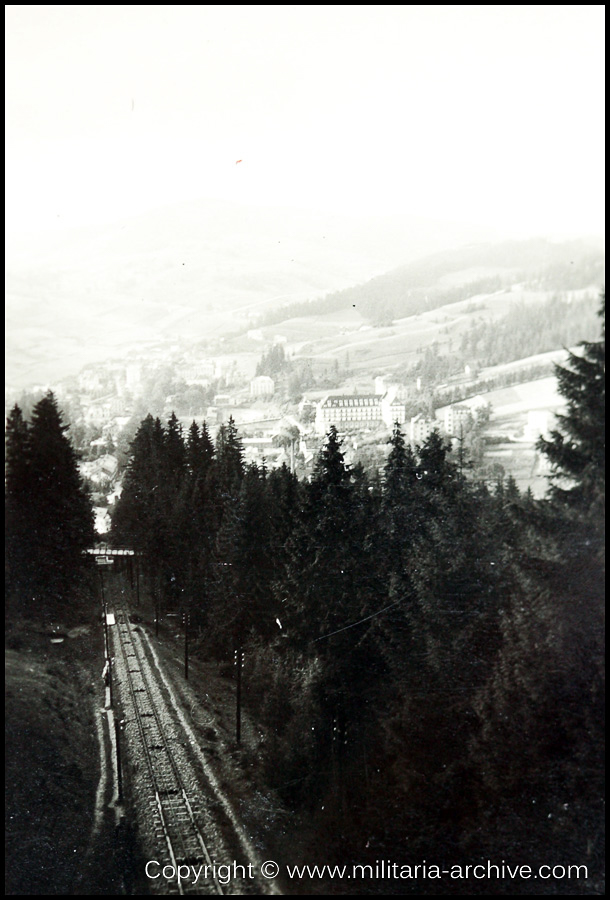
{"x": 456, "y": 419}
{"x": 421, "y": 428}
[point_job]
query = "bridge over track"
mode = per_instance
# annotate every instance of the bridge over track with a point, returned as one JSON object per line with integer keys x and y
{"x": 104, "y": 550}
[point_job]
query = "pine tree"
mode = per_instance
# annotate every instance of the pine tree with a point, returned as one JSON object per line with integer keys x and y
{"x": 173, "y": 498}
{"x": 330, "y": 469}
{"x": 174, "y": 456}
{"x": 543, "y": 706}
{"x": 284, "y": 496}
{"x": 204, "y": 517}
{"x": 199, "y": 451}
{"x": 48, "y": 507}
{"x": 398, "y": 524}
{"x": 17, "y": 502}
{"x": 206, "y": 448}
{"x": 400, "y": 473}
{"x": 244, "y": 604}
{"x": 322, "y": 588}
{"x": 151, "y": 515}
{"x": 436, "y": 472}
{"x": 230, "y": 458}
{"x": 576, "y": 449}
{"x": 137, "y": 513}
{"x": 193, "y": 443}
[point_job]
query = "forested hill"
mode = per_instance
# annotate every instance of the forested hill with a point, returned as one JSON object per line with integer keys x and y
{"x": 455, "y": 275}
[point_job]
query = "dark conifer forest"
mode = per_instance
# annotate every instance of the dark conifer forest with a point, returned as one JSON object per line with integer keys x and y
{"x": 48, "y": 514}
{"x": 423, "y": 651}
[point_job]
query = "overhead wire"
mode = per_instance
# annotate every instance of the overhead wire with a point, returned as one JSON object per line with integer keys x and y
{"x": 359, "y": 622}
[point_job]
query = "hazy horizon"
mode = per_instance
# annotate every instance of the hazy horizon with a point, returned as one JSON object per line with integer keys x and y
{"x": 394, "y": 129}
{"x": 486, "y": 115}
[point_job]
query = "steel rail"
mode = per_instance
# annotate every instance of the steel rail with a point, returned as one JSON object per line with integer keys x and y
{"x": 168, "y": 784}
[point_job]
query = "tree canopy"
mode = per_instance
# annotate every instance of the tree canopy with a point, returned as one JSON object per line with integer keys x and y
{"x": 49, "y": 518}
{"x": 423, "y": 650}
{"x": 577, "y": 447}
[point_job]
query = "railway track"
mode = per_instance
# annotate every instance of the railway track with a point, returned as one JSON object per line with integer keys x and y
{"x": 175, "y": 814}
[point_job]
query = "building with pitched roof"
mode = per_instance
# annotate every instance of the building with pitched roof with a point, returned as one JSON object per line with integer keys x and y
{"x": 348, "y": 410}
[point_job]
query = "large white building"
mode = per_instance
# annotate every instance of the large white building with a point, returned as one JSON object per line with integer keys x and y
{"x": 347, "y": 410}
{"x": 262, "y": 386}
{"x": 537, "y": 424}
{"x": 368, "y": 410}
{"x": 456, "y": 419}
{"x": 420, "y": 428}
{"x": 392, "y": 409}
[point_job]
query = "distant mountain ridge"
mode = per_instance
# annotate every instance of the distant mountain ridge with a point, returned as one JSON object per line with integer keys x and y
{"x": 454, "y": 275}
{"x": 193, "y": 270}
{"x": 206, "y": 268}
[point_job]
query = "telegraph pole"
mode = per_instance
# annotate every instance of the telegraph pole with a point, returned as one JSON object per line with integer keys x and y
{"x": 118, "y": 758}
{"x": 239, "y": 662}
{"x": 186, "y": 620}
{"x": 104, "y": 615}
{"x": 157, "y": 581}
{"x": 137, "y": 565}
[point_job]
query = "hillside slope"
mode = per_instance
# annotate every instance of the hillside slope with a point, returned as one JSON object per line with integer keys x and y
{"x": 192, "y": 270}
{"x": 52, "y": 762}
{"x": 457, "y": 274}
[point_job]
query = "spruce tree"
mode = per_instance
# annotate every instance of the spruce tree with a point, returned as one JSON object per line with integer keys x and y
{"x": 173, "y": 490}
{"x": 200, "y": 452}
{"x": 193, "y": 443}
{"x": 17, "y": 503}
{"x": 230, "y": 458}
{"x": 204, "y": 515}
{"x": 543, "y": 707}
{"x": 436, "y": 472}
{"x": 400, "y": 473}
{"x": 330, "y": 469}
{"x": 50, "y": 514}
{"x": 244, "y": 605}
{"x": 577, "y": 447}
{"x": 137, "y": 510}
{"x": 399, "y": 522}
{"x": 174, "y": 456}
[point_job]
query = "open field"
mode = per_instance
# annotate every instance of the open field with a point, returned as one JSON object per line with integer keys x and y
{"x": 384, "y": 349}
{"x": 519, "y": 415}
{"x": 514, "y": 403}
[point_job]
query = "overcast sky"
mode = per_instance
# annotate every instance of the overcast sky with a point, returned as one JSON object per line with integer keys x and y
{"x": 486, "y": 114}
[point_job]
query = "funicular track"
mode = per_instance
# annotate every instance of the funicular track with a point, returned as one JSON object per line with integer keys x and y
{"x": 173, "y": 810}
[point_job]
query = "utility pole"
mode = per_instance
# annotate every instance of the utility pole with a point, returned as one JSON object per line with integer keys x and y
{"x": 118, "y": 758}
{"x": 110, "y": 694}
{"x": 157, "y": 592}
{"x": 137, "y": 564}
{"x": 334, "y": 753}
{"x": 239, "y": 662}
{"x": 186, "y": 621}
{"x": 104, "y": 616}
